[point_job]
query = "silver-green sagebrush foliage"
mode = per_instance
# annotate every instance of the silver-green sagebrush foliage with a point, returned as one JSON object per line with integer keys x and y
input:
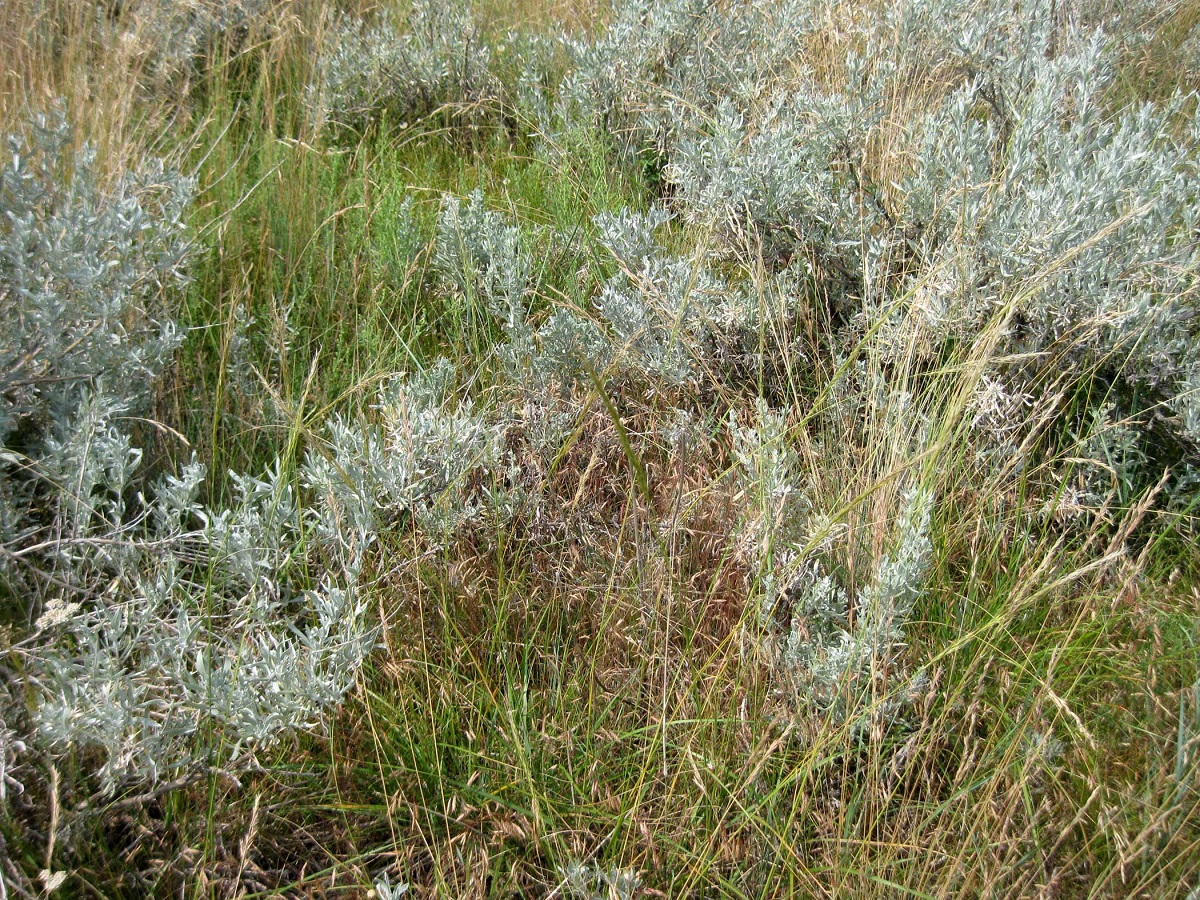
{"x": 416, "y": 463}
{"x": 215, "y": 629}
{"x": 83, "y": 270}
{"x": 833, "y": 654}
{"x": 1026, "y": 203}
{"x": 583, "y": 882}
{"x": 159, "y": 620}
{"x": 435, "y": 58}
{"x": 478, "y": 255}
{"x": 180, "y": 42}
{"x": 857, "y": 360}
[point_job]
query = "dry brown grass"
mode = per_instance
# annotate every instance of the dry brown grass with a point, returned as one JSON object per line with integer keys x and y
{"x": 582, "y": 16}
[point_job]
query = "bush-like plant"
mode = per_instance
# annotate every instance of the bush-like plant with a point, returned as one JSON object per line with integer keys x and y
{"x": 166, "y": 628}
{"x": 82, "y": 274}
{"x": 179, "y": 40}
{"x": 370, "y": 69}
{"x": 1012, "y": 198}
{"x": 478, "y": 255}
{"x": 215, "y": 639}
{"x": 416, "y": 463}
{"x": 833, "y": 654}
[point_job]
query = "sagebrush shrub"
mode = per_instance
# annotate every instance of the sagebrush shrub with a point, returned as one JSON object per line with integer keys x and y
{"x": 833, "y": 654}
{"x": 220, "y": 630}
{"x": 1014, "y": 204}
{"x": 436, "y": 58}
{"x": 958, "y": 169}
{"x": 415, "y": 463}
{"x": 83, "y": 268}
{"x": 174, "y": 45}
{"x": 163, "y": 623}
{"x": 478, "y": 255}
{"x": 843, "y": 658}
{"x": 590, "y": 882}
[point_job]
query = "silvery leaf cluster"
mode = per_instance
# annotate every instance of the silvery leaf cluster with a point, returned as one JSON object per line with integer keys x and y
{"x": 404, "y": 70}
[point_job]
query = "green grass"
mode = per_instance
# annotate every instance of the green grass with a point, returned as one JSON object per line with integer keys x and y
{"x": 310, "y": 249}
